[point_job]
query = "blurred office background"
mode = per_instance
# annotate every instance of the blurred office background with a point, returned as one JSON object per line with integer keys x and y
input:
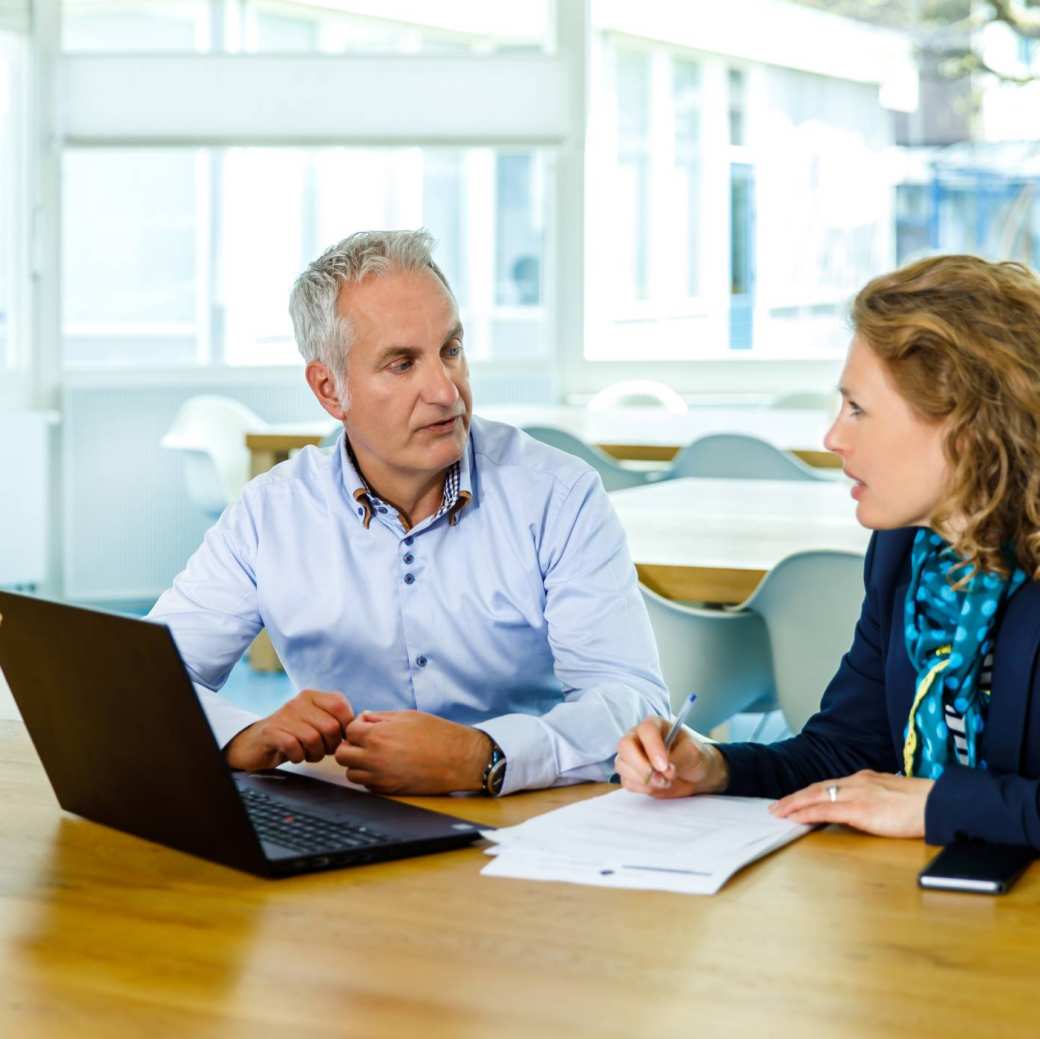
{"x": 683, "y": 192}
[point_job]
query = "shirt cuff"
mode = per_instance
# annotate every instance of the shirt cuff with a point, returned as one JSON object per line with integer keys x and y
{"x": 530, "y": 756}
{"x": 225, "y": 719}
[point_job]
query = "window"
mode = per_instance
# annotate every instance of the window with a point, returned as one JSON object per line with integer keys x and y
{"x": 731, "y": 208}
{"x": 299, "y": 26}
{"x": 13, "y": 259}
{"x": 187, "y": 256}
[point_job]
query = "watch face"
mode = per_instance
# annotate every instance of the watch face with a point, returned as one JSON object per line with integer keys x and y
{"x": 497, "y": 777}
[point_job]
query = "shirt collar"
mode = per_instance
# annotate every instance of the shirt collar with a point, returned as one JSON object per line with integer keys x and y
{"x": 458, "y": 487}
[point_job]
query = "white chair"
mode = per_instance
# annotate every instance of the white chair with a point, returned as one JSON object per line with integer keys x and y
{"x": 210, "y": 434}
{"x": 615, "y": 477}
{"x": 739, "y": 456}
{"x": 810, "y": 603}
{"x": 721, "y": 655}
{"x": 640, "y": 392}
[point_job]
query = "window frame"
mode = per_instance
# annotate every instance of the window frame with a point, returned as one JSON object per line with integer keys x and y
{"x": 14, "y": 354}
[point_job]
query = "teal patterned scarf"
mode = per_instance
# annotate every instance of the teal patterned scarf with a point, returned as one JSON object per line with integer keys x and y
{"x": 948, "y": 635}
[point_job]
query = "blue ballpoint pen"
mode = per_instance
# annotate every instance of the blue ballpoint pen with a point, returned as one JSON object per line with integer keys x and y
{"x": 673, "y": 732}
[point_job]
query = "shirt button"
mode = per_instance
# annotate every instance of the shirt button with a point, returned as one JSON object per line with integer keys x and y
{"x": 409, "y": 578}
{"x": 361, "y": 512}
{"x": 409, "y": 558}
{"x": 409, "y": 540}
{"x": 421, "y": 661}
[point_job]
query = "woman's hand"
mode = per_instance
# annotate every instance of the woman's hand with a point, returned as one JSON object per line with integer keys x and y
{"x": 875, "y": 802}
{"x": 691, "y": 767}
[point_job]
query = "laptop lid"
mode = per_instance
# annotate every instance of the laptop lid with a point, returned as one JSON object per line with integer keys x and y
{"x": 124, "y": 741}
{"x": 119, "y": 728}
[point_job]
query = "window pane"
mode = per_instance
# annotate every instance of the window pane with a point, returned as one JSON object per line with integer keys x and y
{"x": 295, "y": 26}
{"x": 8, "y": 241}
{"x": 737, "y": 130}
{"x": 132, "y": 240}
{"x": 187, "y": 256}
{"x": 686, "y": 104}
{"x": 519, "y": 240}
{"x": 136, "y": 25}
{"x": 633, "y": 195}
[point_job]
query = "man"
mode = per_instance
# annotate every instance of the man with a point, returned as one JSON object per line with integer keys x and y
{"x": 465, "y": 585}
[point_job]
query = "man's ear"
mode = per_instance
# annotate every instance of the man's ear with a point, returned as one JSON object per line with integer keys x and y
{"x": 325, "y": 387}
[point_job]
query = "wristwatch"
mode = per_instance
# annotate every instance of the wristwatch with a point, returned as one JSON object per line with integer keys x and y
{"x": 494, "y": 771}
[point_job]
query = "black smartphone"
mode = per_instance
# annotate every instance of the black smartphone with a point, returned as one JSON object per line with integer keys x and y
{"x": 989, "y": 869}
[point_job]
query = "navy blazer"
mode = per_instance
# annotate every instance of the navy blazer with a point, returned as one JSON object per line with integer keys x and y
{"x": 865, "y": 707}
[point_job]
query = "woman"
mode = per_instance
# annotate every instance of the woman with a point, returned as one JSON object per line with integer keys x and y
{"x": 931, "y": 726}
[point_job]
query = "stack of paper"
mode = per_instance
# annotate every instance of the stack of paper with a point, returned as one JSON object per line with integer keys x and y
{"x": 691, "y": 844}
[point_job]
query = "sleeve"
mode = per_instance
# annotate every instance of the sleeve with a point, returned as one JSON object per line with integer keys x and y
{"x": 982, "y": 805}
{"x": 850, "y": 731}
{"x": 213, "y": 614}
{"x": 604, "y": 652}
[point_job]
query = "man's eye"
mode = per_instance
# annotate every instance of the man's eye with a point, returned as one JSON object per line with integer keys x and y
{"x": 400, "y": 367}
{"x": 453, "y": 349}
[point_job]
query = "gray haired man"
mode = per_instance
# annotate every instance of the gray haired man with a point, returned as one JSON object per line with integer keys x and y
{"x": 454, "y": 600}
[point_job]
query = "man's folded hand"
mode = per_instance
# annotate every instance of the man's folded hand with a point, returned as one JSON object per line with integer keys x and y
{"x": 411, "y": 752}
{"x": 307, "y": 728}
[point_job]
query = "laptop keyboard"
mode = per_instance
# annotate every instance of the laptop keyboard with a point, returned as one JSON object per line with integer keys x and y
{"x": 276, "y": 821}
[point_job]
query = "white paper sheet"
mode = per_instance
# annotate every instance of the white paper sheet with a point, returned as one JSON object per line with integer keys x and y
{"x": 622, "y": 839}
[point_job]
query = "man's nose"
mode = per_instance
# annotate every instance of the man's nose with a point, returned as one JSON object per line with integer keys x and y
{"x": 440, "y": 386}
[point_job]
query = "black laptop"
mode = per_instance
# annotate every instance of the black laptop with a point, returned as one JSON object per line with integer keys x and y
{"x": 124, "y": 740}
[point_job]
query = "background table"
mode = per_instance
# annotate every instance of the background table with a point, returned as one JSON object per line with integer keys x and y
{"x": 637, "y": 434}
{"x": 102, "y": 934}
{"x": 714, "y": 540}
{"x": 656, "y": 435}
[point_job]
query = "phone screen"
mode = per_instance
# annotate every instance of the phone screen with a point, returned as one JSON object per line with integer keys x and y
{"x": 976, "y": 866}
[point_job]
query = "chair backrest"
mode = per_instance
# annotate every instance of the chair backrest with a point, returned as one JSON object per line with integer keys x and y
{"x": 739, "y": 456}
{"x": 615, "y": 477}
{"x": 810, "y": 603}
{"x": 720, "y": 655}
{"x": 639, "y": 392}
{"x": 210, "y": 433}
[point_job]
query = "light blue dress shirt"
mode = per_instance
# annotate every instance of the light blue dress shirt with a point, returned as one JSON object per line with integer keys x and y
{"x": 517, "y": 611}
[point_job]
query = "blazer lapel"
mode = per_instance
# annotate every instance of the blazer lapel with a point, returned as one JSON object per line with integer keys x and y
{"x": 1013, "y": 656}
{"x": 900, "y": 676}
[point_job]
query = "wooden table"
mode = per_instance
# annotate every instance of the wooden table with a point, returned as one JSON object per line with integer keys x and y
{"x": 656, "y": 435}
{"x": 102, "y": 934}
{"x": 636, "y": 434}
{"x": 714, "y": 540}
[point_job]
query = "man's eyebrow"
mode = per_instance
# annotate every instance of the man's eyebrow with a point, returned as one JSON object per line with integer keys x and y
{"x": 455, "y": 332}
{"x": 845, "y": 391}
{"x": 396, "y": 351}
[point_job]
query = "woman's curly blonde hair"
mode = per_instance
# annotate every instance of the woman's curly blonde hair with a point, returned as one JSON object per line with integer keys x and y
{"x": 961, "y": 338}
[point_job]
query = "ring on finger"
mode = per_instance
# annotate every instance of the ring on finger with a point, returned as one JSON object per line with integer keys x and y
{"x": 832, "y": 792}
